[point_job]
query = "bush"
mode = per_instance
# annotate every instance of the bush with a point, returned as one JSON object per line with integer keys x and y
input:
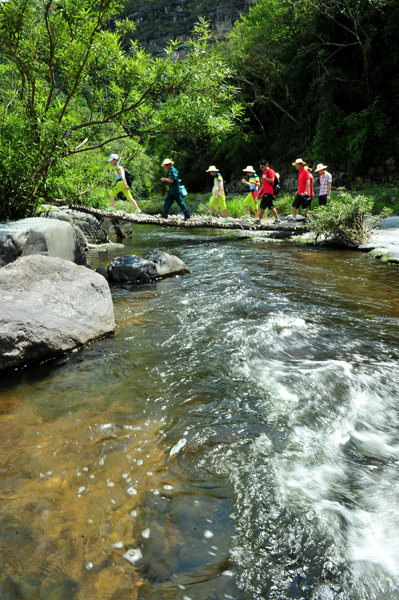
{"x": 342, "y": 222}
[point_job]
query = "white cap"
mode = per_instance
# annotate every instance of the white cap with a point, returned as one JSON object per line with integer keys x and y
{"x": 113, "y": 157}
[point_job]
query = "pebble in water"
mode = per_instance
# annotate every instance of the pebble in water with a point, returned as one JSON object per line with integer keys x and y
{"x": 178, "y": 446}
{"x": 146, "y": 533}
{"x": 133, "y": 555}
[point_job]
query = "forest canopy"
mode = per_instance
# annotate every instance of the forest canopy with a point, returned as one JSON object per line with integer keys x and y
{"x": 69, "y": 89}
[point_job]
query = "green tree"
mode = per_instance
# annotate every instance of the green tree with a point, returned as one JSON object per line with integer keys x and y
{"x": 68, "y": 88}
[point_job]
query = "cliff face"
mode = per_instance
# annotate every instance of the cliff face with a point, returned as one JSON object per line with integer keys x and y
{"x": 159, "y": 21}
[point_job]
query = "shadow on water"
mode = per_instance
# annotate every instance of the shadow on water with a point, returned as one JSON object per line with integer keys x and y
{"x": 237, "y": 438}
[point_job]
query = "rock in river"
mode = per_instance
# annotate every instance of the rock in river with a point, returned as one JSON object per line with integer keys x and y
{"x": 38, "y": 235}
{"x": 49, "y": 305}
{"x": 156, "y": 264}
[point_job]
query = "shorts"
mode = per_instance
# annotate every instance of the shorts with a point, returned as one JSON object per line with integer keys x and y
{"x": 120, "y": 187}
{"x": 303, "y": 201}
{"x": 221, "y": 202}
{"x": 251, "y": 202}
{"x": 267, "y": 201}
{"x": 323, "y": 200}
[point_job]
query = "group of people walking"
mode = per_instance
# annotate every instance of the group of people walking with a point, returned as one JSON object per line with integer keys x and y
{"x": 260, "y": 191}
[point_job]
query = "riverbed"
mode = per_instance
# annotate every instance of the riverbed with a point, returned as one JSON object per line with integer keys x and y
{"x": 237, "y": 438}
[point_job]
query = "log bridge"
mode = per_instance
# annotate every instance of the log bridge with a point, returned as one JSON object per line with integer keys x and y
{"x": 281, "y": 230}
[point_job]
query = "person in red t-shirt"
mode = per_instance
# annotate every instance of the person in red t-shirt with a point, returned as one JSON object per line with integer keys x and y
{"x": 266, "y": 192}
{"x": 302, "y": 197}
{"x": 311, "y": 183}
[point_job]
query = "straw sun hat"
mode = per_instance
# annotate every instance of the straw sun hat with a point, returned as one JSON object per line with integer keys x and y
{"x": 167, "y": 161}
{"x": 320, "y": 167}
{"x": 211, "y": 168}
{"x": 249, "y": 169}
{"x": 298, "y": 161}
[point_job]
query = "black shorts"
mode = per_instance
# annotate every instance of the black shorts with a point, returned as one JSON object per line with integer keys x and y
{"x": 323, "y": 200}
{"x": 303, "y": 201}
{"x": 267, "y": 201}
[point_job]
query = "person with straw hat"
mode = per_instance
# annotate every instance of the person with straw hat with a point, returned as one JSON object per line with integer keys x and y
{"x": 218, "y": 197}
{"x": 302, "y": 197}
{"x": 121, "y": 184}
{"x": 174, "y": 192}
{"x": 253, "y": 184}
{"x": 325, "y": 184}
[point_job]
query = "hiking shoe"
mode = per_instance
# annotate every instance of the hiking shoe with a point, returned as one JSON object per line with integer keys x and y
{"x": 186, "y": 217}
{"x": 277, "y": 221}
{"x": 257, "y": 222}
{"x": 225, "y": 220}
{"x": 137, "y": 211}
{"x": 164, "y": 216}
{"x": 209, "y": 217}
{"x": 112, "y": 208}
{"x": 290, "y": 219}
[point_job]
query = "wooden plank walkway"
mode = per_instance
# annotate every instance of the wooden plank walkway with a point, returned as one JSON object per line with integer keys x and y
{"x": 285, "y": 228}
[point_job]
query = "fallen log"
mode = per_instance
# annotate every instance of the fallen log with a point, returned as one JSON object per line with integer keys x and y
{"x": 194, "y": 221}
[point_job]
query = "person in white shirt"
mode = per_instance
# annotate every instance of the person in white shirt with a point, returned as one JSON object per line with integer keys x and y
{"x": 325, "y": 184}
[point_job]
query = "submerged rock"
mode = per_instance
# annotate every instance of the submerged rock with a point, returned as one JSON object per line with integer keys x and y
{"x": 37, "y": 235}
{"x": 49, "y": 305}
{"x": 132, "y": 268}
{"x": 167, "y": 264}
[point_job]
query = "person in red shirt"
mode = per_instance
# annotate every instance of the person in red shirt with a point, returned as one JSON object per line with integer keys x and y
{"x": 311, "y": 184}
{"x": 266, "y": 192}
{"x": 302, "y": 197}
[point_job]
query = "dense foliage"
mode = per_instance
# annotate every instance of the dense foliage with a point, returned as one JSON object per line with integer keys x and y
{"x": 68, "y": 88}
{"x": 319, "y": 79}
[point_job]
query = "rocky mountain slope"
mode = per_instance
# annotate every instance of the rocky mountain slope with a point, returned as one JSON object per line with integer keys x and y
{"x": 159, "y": 21}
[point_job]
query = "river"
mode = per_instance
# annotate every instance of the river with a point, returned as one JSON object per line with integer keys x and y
{"x": 237, "y": 438}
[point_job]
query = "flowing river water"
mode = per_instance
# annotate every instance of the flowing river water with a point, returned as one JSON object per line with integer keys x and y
{"x": 237, "y": 438}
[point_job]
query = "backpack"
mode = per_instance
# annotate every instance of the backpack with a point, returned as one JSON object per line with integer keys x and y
{"x": 129, "y": 177}
{"x": 276, "y": 184}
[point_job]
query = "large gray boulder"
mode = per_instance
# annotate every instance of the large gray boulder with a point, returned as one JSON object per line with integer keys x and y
{"x": 116, "y": 228}
{"x": 384, "y": 242}
{"x": 156, "y": 264}
{"x": 37, "y": 235}
{"x": 48, "y": 306}
{"x": 87, "y": 224}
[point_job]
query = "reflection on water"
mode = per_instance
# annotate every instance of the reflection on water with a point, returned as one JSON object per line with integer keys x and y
{"x": 238, "y": 438}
